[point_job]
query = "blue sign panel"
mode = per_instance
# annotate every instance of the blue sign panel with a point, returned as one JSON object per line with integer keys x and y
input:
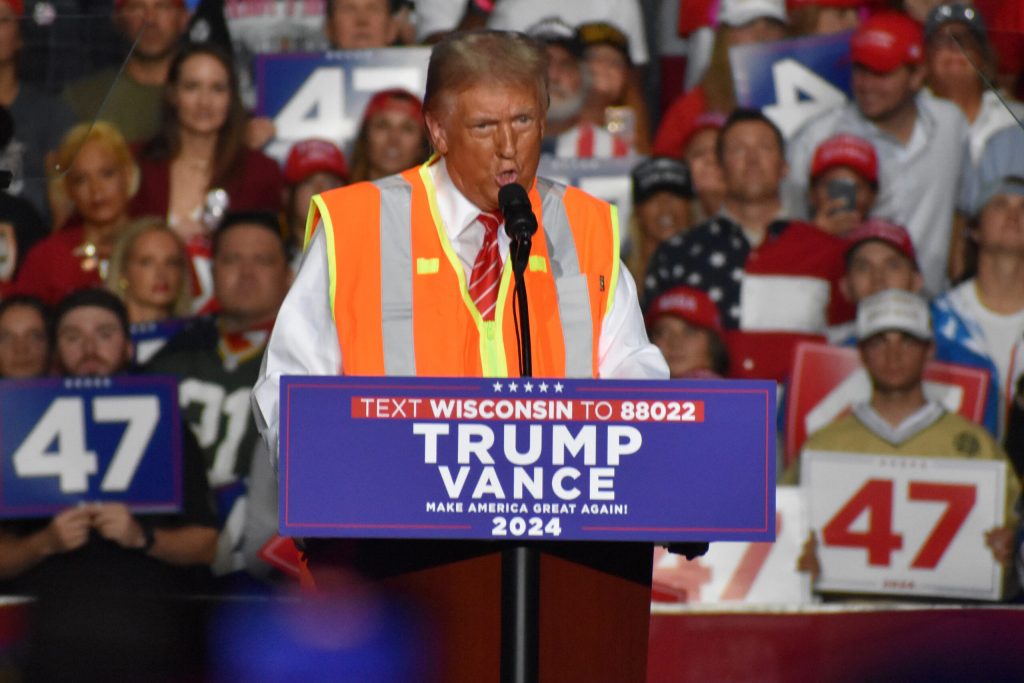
{"x": 534, "y": 459}
{"x": 148, "y": 338}
{"x": 323, "y": 95}
{"x": 73, "y": 440}
{"x": 792, "y": 80}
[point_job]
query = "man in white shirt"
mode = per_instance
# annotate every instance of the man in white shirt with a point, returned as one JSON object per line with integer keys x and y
{"x": 485, "y": 114}
{"x": 921, "y": 140}
{"x": 985, "y": 314}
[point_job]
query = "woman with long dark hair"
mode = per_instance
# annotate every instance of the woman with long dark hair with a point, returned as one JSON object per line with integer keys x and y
{"x": 198, "y": 166}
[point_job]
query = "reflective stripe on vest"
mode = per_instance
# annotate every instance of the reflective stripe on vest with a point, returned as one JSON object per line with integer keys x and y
{"x": 396, "y": 270}
{"x": 573, "y": 296}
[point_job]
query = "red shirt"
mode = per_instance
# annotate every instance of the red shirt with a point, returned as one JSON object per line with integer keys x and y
{"x": 257, "y": 186}
{"x": 52, "y": 270}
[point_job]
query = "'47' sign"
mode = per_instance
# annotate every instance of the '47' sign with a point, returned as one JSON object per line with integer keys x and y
{"x": 97, "y": 439}
{"x": 792, "y": 80}
{"x": 905, "y": 525}
{"x": 323, "y": 95}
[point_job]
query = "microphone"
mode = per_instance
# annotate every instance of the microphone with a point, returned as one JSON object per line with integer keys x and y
{"x": 520, "y": 223}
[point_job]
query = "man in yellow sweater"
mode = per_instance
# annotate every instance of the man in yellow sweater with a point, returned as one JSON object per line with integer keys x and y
{"x": 895, "y": 340}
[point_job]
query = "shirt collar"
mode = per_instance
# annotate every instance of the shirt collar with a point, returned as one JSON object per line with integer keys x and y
{"x": 775, "y": 227}
{"x": 912, "y": 425}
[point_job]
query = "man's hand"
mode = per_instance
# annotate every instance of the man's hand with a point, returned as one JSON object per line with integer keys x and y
{"x": 69, "y": 530}
{"x": 1000, "y": 542}
{"x": 808, "y": 560}
{"x": 115, "y": 523}
{"x": 835, "y": 219}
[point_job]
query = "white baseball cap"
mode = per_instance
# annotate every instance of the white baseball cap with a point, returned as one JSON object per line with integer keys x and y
{"x": 740, "y": 12}
{"x": 894, "y": 309}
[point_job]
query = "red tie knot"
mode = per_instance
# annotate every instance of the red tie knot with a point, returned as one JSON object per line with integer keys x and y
{"x": 490, "y": 221}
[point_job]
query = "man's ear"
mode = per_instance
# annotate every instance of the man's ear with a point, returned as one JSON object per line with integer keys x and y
{"x": 437, "y": 132}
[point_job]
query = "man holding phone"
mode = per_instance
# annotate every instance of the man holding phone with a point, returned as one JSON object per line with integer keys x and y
{"x": 843, "y": 183}
{"x": 920, "y": 140}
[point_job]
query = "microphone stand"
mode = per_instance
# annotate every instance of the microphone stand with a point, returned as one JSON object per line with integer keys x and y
{"x": 520, "y": 564}
{"x": 519, "y": 251}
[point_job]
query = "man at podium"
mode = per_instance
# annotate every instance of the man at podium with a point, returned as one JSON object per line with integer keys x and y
{"x": 410, "y": 275}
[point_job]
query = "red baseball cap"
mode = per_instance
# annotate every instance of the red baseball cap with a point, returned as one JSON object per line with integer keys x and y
{"x": 708, "y": 120}
{"x": 394, "y": 99}
{"x": 892, "y": 234}
{"x": 887, "y": 41}
{"x": 850, "y": 151}
{"x": 313, "y": 156}
{"x": 691, "y": 305}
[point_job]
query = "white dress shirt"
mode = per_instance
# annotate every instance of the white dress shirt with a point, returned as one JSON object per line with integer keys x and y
{"x": 918, "y": 182}
{"x": 305, "y": 339}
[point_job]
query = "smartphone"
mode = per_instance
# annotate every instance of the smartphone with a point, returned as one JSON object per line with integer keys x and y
{"x": 845, "y": 189}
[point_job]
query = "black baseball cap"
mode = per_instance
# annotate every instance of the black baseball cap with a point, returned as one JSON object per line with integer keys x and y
{"x": 661, "y": 173}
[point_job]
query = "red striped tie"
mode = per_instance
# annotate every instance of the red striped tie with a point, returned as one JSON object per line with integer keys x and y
{"x": 483, "y": 281}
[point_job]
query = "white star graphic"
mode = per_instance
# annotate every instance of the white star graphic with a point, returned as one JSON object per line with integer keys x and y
{"x": 497, "y": 386}
{"x": 512, "y": 387}
{"x": 528, "y": 387}
{"x": 543, "y": 387}
{"x": 558, "y": 387}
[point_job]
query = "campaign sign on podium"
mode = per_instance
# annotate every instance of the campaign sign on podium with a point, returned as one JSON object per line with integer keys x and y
{"x": 538, "y": 459}
{"x": 903, "y": 525}
{"x": 73, "y": 440}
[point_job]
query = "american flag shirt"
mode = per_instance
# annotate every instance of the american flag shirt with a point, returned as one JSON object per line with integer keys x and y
{"x": 789, "y": 282}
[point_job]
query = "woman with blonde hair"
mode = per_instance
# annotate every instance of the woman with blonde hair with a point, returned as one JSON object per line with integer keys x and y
{"x": 149, "y": 271}
{"x": 98, "y": 178}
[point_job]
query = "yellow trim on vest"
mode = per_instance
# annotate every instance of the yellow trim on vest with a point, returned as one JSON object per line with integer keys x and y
{"x": 538, "y": 264}
{"x": 616, "y": 259}
{"x": 310, "y": 225}
{"x": 492, "y": 345}
{"x": 332, "y": 268}
{"x": 428, "y": 266}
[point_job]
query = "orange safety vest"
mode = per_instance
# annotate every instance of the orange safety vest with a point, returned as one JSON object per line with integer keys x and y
{"x": 398, "y": 289}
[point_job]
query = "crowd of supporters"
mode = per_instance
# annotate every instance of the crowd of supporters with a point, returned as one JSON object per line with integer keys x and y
{"x": 149, "y": 178}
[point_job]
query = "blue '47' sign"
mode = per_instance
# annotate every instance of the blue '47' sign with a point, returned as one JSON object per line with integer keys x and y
{"x": 792, "y": 80}
{"x": 543, "y": 459}
{"x": 73, "y": 440}
{"x": 323, "y": 95}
